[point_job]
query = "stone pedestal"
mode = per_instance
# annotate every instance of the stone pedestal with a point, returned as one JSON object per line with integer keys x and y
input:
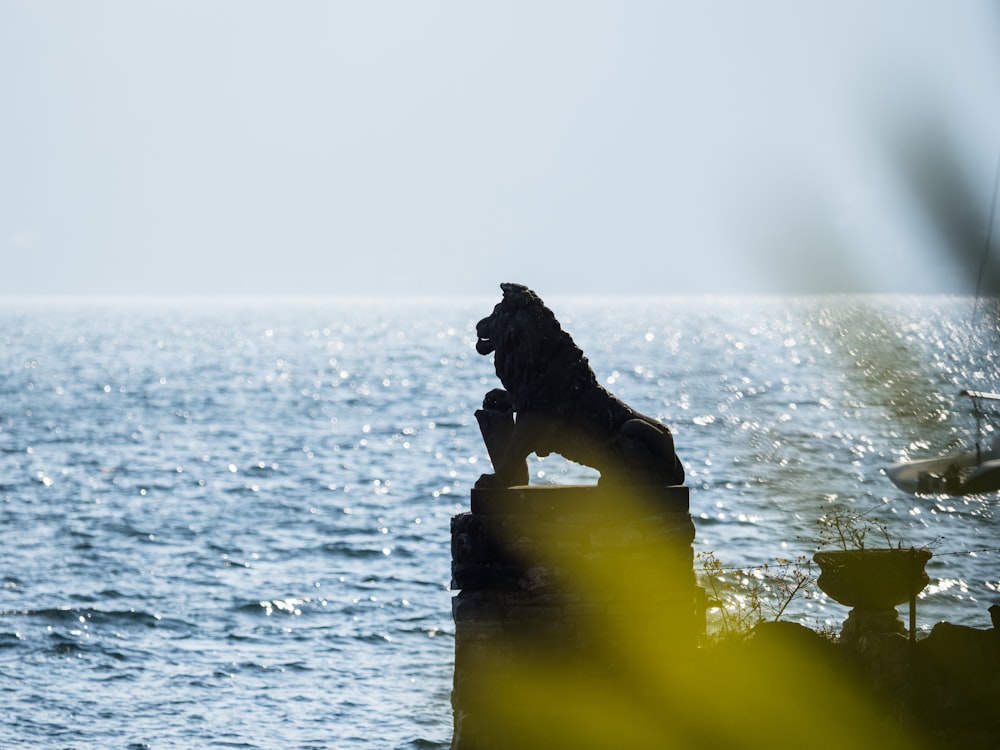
{"x": 563, "y": 591}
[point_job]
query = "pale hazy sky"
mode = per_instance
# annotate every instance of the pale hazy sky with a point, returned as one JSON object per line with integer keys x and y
{"x": 233, "y": 146}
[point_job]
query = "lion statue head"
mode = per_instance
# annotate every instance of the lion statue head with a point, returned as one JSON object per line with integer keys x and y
{"x": 532, "y": 353}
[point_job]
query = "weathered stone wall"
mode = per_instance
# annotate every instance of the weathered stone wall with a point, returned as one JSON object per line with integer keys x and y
{"x": 577, "y": 615}
{"x": 549, "y": 580}
{"x": 936, "y": 693}
{"x": 946, "y": 685}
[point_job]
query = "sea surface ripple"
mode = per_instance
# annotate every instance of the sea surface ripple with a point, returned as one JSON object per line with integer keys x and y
{"x": 226, "y": 524}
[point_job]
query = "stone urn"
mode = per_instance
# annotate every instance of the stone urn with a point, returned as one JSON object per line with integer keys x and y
{"x": 873, "y": 582}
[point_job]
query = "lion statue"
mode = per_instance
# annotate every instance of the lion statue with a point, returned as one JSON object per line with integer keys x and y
{"x": 554, "y": 404}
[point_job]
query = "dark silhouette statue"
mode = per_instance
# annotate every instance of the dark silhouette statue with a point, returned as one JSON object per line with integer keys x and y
{"x": 554, "y": 404}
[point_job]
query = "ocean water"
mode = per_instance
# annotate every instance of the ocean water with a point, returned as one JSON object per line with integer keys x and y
{"x": 226, "y": 524}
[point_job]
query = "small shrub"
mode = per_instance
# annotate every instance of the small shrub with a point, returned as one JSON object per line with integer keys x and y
{"x": 743, "y": 598}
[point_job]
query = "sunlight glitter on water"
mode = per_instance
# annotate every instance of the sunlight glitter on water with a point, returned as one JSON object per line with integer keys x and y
{"x": 214, "y": 491}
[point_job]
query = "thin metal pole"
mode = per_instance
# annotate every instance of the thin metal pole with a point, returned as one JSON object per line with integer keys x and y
{"x": 989, "y": 236}
{"x": 913, "y": 597}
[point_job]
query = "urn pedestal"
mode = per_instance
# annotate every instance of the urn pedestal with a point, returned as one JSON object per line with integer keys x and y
{"x": 873, "y": 582}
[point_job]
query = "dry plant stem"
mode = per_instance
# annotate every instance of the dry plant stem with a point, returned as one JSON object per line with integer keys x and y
{"x": 846, "y": 529}
{"x": 746, "y": 597}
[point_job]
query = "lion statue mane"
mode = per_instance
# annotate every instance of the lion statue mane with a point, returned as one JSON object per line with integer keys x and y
{"x": 554, "y": 404}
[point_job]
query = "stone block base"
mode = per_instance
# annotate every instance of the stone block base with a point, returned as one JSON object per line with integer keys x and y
{"x": 559, "y": 588}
